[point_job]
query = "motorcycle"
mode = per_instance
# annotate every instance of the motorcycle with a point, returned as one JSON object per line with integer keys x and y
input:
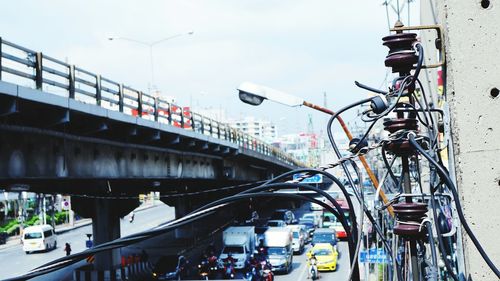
{"x": 313, "y": 269}
{"x": 265, "y": 271}
{"x": 229, "y": 271}
{"x": 213, "y": 267}
{"x": 204, "y": 270}
{"x": 252, "y": 275}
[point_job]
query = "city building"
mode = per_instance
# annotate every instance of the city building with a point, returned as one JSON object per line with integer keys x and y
{"x": 261, "y": 129}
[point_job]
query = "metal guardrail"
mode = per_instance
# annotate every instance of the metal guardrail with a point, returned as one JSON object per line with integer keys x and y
{"x": 36, "y": 70}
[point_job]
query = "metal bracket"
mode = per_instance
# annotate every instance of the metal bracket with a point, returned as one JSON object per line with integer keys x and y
{"x": 439, "y": 41}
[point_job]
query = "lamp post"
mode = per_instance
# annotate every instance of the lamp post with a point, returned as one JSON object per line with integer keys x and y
{"x": 150, "y": 45}
{"x": 255, "y": 94}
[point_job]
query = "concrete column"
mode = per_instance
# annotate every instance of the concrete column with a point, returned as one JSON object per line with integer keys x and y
{"x": 105, "y": 227}
{"x": 473, "y": 83}
{"x": 182, "y": 207}
{"x": 105, "y": 214}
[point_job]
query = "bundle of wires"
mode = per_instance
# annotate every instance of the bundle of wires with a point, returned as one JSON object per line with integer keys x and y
{"x": 266, "y": 190}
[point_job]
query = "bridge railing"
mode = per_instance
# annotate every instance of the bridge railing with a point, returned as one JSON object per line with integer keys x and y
{"x": 33, "y": 69}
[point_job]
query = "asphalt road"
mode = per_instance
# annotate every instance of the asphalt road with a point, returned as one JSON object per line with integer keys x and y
{"x": 300, "y": 267}
{"x": 15, "y": 262}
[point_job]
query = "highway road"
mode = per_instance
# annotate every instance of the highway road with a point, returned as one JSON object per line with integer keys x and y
{"x": 300, "y": 267}
{"x": 15, "y": 262}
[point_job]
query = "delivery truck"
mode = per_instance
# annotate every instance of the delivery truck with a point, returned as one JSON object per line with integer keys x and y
{"x": 239, "y": 242}
{"x": 278, "y": 248}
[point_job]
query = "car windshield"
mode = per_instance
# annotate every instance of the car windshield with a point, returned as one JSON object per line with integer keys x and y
{"x": 33, "y": 235}
{"x": 322, "y": 252}
{"x": 233, "y": 250}
{"x": 276, "y": 251}
{"x": 295, "y": 234}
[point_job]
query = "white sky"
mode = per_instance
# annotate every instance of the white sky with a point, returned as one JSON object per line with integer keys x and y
{"x": 304, "y": 47}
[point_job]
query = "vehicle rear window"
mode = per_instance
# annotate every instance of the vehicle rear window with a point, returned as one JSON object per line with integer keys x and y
{"x": 306, "y": 221}
{"x": 324, "y": 238}
{"x": 33, "y": 235}
{"x": 233, "y": 250}
{"x": 276, "y": 251}
{"x": 322, "y": 252}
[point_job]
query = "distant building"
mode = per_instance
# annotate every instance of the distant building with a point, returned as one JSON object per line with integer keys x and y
{"x": 305, "y": 147}
{"x": 261, "y": 129}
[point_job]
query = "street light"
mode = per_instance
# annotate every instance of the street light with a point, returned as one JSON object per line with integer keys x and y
{"x": 254, "y": 94}
{"x": 150, "y": 45}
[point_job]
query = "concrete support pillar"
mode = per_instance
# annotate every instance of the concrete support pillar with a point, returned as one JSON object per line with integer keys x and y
{"x": 183, "y": 206}
{"x": 105, "y": 214}
{"x": 106, "y": 227}
{"x": 472, "y": 81}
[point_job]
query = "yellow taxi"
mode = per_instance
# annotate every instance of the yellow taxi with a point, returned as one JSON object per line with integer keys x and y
{"x": 326, "y": 255}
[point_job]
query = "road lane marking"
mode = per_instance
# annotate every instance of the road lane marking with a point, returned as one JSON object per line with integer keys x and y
{"x": 301, "y": 276}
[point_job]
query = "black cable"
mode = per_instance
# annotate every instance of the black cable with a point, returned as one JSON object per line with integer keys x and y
{"x": 388, "y": 166}
{"x": 428, "y": 108}
{"x": 358, "y": 145}
{"x": 419, "y": 62}
{"x": 121, "y": 242}
{"x": 425, "y": 123}
{"x": 368, "y": 88}
{"x": 279, "y": 186}
{"x": 352, "y": 214}
{"x": 349, "y": 177}
{"x": 71, "y": 259}
{"x": 443, "y": 174}
{"x": 432, "y": 245}
{"x": 352, "y": 245}
{"x": 439, "y": 235}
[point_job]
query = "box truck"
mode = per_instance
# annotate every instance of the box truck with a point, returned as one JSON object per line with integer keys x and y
{"x": 239, "y": 242}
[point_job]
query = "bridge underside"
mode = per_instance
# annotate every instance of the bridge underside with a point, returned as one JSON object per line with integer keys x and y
{"x": 104, "y": 159}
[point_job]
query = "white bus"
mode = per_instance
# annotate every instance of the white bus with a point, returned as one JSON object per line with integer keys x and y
{"x": 39, "y": 238}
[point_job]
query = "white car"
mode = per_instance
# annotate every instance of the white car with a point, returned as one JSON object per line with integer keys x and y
{"x": 39, "y": 238}
{"x": 316, "y": 217}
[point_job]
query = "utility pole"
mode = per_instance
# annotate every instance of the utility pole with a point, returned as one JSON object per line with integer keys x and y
{"x": 472, "y": 85}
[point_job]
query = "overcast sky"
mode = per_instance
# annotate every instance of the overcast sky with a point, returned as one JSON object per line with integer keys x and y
{"x": 300, "y": 47}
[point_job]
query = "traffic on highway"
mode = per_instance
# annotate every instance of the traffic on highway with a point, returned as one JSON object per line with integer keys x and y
{"x": 283, "y": 244}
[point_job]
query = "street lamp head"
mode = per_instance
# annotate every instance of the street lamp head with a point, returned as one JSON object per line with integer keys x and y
{"x": 251, "y": 93}
{"x": 255, "y": 94}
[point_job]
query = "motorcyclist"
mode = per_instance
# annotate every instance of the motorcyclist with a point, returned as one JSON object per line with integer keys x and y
{"x": 229, "y": 263}
{"x": 182, "y": 264}
{"x": 252, "y": 268}
{"x": 313, "y": 265}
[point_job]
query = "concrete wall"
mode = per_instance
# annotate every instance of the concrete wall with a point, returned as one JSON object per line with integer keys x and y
{"x": 472, "y": 43}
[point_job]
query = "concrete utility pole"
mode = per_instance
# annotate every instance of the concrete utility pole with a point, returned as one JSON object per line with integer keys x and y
{"x": 471, "y": 30}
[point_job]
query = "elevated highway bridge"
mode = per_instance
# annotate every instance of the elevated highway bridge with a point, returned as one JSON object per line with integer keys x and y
{"x": 64, "y": 129}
